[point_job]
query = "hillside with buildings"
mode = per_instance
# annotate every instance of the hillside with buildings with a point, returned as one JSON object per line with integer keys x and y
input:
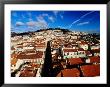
{"x": 55, "y": 53}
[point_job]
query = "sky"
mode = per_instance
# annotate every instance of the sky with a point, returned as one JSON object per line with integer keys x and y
{"x": 84, "y": 21}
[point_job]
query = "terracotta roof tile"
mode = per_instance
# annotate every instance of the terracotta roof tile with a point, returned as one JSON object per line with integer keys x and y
{"x": 70, "y": 72}
{"x": 70, "y": 50}
{"x": 14, "y": 55}
{"x": 94, "y": 59}
{"x": 73, "y": 61}
{"x": 36, "y": 55}
{"x": 28, "y": 72}
{"x": 90, "y": 70}
{"x": 96, "y": 50}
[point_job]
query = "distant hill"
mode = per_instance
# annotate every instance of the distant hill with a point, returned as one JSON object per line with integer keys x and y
{"x": 63, "y": 30}
{"x": 31, "y": 32}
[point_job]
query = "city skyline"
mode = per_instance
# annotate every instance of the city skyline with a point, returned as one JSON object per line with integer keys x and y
{"x": 85, "y": 21}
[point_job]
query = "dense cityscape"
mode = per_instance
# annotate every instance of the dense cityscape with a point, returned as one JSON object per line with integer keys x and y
{"x": 55, "y": 52}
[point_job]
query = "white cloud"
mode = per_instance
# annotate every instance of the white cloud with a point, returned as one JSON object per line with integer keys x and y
{"x": 19, "y": 23}
{"x": 45, "y": 15}
{"x": 59, "y": 12}
{"x": 37, "y": 24}
{"x": 30, "y": 19}
{"x": 55, "y": 13}
{"x": 40, "y": 23}
{"x": 31, "y": 28}
{"x": 83, "y": 23}
{"x": 51, "y": 18}
{"x": 31, "y": 23}
{"x": 61, "y": 16}
{"x": 12, "y": 27}
{"x": 40, "y": 18}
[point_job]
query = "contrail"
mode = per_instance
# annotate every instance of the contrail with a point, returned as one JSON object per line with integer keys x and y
{"x": 74, "y": 22}
{"x": 86, "y": 14}
{"x": 83, "y": 23}
{"x": 80, "y": 18}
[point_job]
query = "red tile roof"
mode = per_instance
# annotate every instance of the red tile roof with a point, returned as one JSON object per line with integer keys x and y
{"x": 73, "y": 61}
{"x": 90, "y": 70}
{"x": 80, "y": 49}
{"x": 40, "y": 46}
{"x": 70, "y": 50}
{"x": 35, "y": 65}
{"x": 14, "y": 55}
{"x": 96, "y": 50}
{"x": 20, "y": 47}
{"x": 83, "y": 43}
{"x": 36, "y": 55}
{"x": 28, "y": 72}
{"x": 70, "y": 72}
{"x": 73, "y": 50}
{"x": 94, "y": 59}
